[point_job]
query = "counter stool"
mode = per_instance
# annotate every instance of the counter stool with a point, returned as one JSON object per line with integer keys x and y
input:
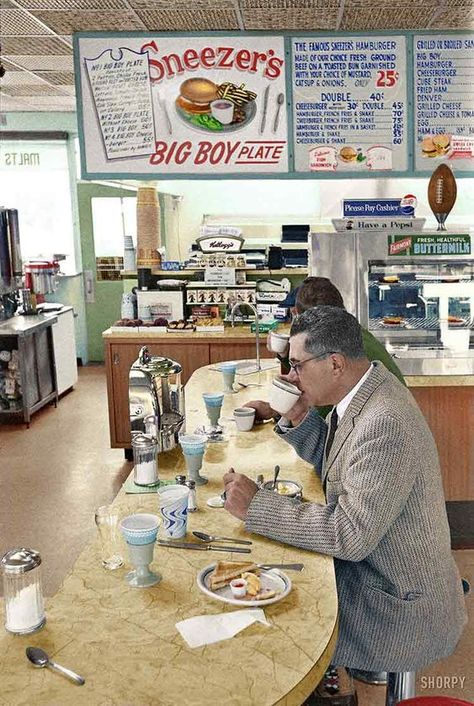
{"x": 400, "y": 685}
{"x": 434, "y": 701}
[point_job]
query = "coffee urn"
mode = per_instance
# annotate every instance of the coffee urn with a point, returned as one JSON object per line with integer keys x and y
{"x": 156, "y": 399}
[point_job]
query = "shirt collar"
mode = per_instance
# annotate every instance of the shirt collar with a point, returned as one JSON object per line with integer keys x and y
{"x": 345, "y": 402}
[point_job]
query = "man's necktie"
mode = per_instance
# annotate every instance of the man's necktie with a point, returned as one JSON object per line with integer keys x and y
{"x": 332, "y": 431}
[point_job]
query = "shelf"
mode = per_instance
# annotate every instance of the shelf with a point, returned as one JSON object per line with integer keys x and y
{"x": 177, "y": 274}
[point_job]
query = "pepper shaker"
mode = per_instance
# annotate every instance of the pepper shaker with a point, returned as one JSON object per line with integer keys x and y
{"x": 192, "y": 503}
{"x": 180, "y": 480}
{"x": 24, "y": 607}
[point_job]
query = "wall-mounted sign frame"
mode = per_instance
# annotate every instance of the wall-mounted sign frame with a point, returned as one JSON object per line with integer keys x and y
{"x": 270, "y": 105}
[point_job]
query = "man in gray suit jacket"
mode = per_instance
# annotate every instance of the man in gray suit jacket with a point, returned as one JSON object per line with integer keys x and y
{"x": 401, "y": 605}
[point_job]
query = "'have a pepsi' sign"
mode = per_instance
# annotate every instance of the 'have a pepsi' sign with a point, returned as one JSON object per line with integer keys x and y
{"x": 376, "y": 208}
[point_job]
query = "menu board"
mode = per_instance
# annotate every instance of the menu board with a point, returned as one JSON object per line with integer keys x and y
{"x": 175, "y": 105}
{"x": 349, "y": 104}
{"x": 444, "y": 101}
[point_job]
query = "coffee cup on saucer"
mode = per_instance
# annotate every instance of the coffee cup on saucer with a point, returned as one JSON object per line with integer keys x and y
{"x": 283, "y": 395}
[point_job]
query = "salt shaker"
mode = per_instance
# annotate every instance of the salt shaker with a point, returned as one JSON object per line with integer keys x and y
{"x": 145, "y": 451}
{"x": 24, "y": 607}
{"x": 192, "y": 504}
{"x": 180, "y": 480}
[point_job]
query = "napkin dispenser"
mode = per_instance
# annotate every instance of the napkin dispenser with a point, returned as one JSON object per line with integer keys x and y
{"x": 156, "y": 398}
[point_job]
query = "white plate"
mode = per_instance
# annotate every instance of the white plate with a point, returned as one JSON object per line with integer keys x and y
{"x": 274, "y": 580}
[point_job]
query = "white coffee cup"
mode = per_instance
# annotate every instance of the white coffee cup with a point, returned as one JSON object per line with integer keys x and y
{"x": 222, "y": 110}
{"x": 283, "y": 396}
{"x": 279, "y": 342}
{"x": 244, "y": 418}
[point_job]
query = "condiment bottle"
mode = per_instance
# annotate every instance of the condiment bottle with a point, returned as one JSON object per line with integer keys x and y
{"x": 24, "y": 607}
{"x": 192, "y": 501}
{"x": 145, "y": 451}
{"x": 180, "y": 480}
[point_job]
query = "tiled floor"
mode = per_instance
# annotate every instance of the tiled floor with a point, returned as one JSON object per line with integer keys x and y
{"x": 54, "y": 474}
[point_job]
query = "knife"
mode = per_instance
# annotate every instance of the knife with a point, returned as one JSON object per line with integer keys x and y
{"x": 265, "y": 104}
{"x": 293, "y": 567}
{"x": 202, "y": 547}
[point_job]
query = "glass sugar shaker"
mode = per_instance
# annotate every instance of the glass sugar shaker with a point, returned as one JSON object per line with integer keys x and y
{"x": 24, "y": 606}
{"x": 192, "y": 504}
{"x": 145, "y": 453}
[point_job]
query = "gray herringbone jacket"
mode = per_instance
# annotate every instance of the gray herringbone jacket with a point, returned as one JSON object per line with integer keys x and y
{"x": 401, "y": 605}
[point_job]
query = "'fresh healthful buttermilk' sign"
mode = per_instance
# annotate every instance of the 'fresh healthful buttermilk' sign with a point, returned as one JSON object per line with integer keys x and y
{"x": 425, "y": 245}
{"x": 183, "y": 105}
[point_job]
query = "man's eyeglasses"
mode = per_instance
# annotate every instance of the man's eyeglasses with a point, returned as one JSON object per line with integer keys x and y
{"x": 296, "y": 366}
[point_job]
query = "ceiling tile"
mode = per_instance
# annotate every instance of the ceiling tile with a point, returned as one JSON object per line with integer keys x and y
{"x": 296, "y": 19}
{"x": 57, "y": 78}
{"x": 9, "y": 66}
{"x": 20, "y": 23}
{"x": 68, "y": 5}
{"x": 379, "y": 18}
{"x": 182, "y": 21}
{"x": 19, "y": 78}
{"x": 41, "y": 89}
{"x": 460, "y": 17}
{"x": 90, "y": 20}
{"x": 178, "y": 5}
{"x": 33, "y": 46}
{"x": 44, "y": 63}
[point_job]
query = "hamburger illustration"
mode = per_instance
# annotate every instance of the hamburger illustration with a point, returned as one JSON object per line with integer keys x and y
{"x": 196, "y": 95}
{"x": 441, "y": 143}
{"x": 348, "y": 154}
{"x": 428, "y": 147}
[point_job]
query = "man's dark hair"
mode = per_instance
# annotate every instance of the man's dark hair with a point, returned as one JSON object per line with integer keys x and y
{"x": 329, "y": 329}
{"x": 317, "y": 291}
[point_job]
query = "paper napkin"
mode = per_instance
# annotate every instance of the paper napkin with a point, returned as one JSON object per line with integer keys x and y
{"x": 206, "y": 629}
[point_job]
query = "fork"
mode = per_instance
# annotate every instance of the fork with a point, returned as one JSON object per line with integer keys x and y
{"x": 249, "y": 384}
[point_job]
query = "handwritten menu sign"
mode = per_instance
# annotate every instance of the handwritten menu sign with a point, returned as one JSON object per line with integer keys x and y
{"x": 183, "y": 105}
{"x": 120, "y": 85}
{"x": 444, "y": 101}
{"x": 349, "y": 104}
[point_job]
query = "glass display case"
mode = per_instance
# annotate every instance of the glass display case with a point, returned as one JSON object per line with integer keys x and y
{"x": 419, "y": 303}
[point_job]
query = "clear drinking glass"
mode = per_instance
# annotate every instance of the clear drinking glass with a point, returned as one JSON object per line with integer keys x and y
{"x": 107, "y": 521}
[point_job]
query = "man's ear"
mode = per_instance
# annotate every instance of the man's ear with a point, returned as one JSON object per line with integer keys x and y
{"x": 339, "y": 363}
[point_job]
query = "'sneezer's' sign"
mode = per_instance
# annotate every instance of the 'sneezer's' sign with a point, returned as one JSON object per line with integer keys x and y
{"x": 182, "y": 105}
{"x": 428, "y": 245}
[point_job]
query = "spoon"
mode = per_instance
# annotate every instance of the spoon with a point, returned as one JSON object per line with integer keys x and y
{"x": 280, "y": 101}
{"x": 275, "y": 476}
{"x": 41, "y": 659}
{"x": 212, "y": 538}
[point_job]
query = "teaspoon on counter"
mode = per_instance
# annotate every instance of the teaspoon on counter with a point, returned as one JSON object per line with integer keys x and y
{"x": 215, "y": 538}
{"x": 41, "y": 659}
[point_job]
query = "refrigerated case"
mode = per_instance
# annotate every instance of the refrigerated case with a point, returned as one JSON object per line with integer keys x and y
{"x": 414, "y": 292}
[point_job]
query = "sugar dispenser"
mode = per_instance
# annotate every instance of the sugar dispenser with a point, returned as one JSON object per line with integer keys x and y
{"x": 24, "y": 608}
{"x": 145, "y": 457}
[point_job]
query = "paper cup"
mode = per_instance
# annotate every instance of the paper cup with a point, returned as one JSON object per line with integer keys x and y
{"x": 283, "y": 396}
{"x": 173, "y": 501}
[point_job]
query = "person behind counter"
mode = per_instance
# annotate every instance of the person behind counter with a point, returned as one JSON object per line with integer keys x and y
{"x": 401, "y": 604}
{"x": 320, "y": 291}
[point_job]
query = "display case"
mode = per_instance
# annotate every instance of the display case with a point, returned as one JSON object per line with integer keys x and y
{"x": 415, "y": 293}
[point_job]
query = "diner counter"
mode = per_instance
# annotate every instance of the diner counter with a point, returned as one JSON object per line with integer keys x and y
{"x": 124, "y": 640}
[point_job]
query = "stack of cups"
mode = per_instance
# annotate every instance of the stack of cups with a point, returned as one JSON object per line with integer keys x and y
{"x": 173, "y": 500}
{"x": 213, "y": 402}
{"x": 193, "y": 446}
{"x": 129, "y": 262}
{"x": 228, "y": 373}
{"x": 139, "y": 531}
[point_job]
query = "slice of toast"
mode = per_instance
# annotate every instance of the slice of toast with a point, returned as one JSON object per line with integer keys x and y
{"x": 225, "y": 571}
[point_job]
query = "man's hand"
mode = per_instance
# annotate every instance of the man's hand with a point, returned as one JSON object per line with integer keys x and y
{"x": 299, "y": 411}
{"x": 239, "y": 490}
{"x": 262, "y": 410}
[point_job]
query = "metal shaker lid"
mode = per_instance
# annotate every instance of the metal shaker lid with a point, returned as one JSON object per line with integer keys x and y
{"x": 19, "y": 561}
{"x": 141, "y": 440}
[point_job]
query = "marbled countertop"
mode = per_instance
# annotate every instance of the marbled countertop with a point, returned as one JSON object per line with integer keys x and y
{"x": 124, "y": 641}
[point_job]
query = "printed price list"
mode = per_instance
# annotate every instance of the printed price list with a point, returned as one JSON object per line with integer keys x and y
{"x": 444, "y": 107}
{"x": 349, "y": 98}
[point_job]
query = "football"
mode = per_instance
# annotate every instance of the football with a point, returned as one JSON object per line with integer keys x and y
{"x": 442, "y": 192}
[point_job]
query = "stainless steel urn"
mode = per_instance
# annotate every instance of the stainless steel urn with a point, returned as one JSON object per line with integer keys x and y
{"x": 156, "y": 398}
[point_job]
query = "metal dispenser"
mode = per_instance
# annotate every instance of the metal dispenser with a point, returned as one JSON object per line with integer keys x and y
{"x": 156, "y": 398}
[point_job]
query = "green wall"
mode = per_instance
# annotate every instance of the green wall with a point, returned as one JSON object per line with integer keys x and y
{"x": 105, "y": 309}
